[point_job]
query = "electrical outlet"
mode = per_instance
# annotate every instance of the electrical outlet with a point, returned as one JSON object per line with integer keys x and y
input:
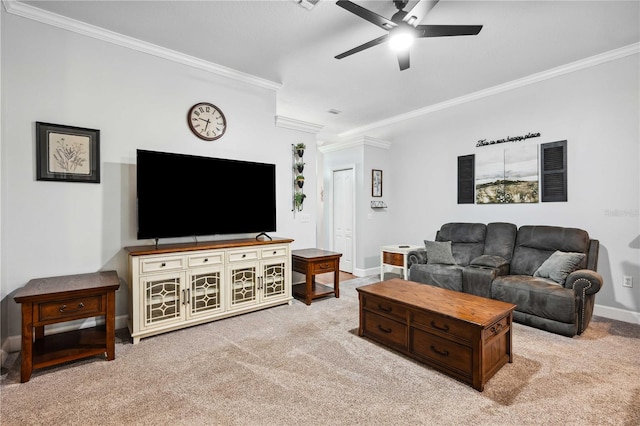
{"x": 627, "y": 281}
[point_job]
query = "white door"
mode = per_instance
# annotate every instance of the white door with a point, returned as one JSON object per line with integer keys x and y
{"x": 343, "y": 216}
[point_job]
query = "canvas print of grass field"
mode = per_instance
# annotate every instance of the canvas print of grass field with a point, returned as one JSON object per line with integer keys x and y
{"x": 507, "y": 176}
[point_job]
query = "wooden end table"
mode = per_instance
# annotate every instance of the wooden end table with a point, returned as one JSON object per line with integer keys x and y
{"x": 54, "y": 300}
{"x": 313, "y": 261}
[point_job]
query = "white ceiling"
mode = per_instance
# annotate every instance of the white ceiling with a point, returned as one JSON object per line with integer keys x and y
{"x": 280, "y": 41}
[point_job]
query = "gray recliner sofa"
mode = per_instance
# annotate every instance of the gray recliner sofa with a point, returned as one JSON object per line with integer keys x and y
{"x": 500, "y": 261}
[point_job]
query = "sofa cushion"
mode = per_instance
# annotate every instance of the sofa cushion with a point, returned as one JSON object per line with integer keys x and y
{"x": 467, "y": 240}
{"x": 500, "y": 239}
{"x": 534, "y": 244}
{"x": 489, "y": 261}
{"x": 559, "y": 265}
{"x": 536, "y": 296}
{"x": 443, "y": 276}
{"x": 439, "y": 252}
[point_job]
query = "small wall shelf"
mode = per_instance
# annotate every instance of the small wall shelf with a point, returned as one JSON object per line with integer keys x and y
{"x": 378, "y": 205}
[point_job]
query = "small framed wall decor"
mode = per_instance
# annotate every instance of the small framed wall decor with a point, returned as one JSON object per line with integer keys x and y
{"x": 67, "y": 153}
{"x": 376, "y": 183}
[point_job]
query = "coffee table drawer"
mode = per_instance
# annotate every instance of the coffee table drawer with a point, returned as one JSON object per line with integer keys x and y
{"x": 385, "y": 307}
{"x": 386, "y": 330}
{"x": 442, "y": 324}
{"x": 452, "y": 355}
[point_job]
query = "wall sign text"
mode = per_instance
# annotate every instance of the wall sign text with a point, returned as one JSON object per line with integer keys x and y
{"x": 484, "y": 142}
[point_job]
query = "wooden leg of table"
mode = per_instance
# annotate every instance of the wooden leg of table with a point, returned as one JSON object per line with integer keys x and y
{"x": 39, "y": 332}
{"x": 110, "y": 319}
{"x": 309, "y": 285}
{"x": 336, "y": 281}
{"x": 27, "y": 342}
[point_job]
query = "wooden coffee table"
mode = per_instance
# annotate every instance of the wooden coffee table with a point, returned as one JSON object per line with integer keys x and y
{"x": 312, "y": 261}
{"x": 462, "y": 335}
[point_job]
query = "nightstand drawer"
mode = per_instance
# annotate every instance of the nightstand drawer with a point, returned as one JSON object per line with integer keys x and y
{"x": 77, "y": 307}
{"x": 396, "y": 259}
{"x": 322, "y": 267}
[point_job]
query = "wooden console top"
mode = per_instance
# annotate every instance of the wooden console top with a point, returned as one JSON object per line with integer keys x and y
{"x": 202, "y": 245}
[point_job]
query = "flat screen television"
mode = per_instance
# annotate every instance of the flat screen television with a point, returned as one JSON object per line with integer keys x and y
{"x": 185, "y": 195}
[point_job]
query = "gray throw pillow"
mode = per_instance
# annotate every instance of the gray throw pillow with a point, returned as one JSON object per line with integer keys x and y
{"x": 439, "y": 252}
{"x": 559, "y": 265}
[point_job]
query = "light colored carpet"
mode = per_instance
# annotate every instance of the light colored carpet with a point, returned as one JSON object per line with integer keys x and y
{"x": 299, "y": 364}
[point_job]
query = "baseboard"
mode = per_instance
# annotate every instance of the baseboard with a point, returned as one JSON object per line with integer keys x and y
{"x": 13, "y": 343}
{"x": 617, "y": 314}
{"x": 358, "y": 272}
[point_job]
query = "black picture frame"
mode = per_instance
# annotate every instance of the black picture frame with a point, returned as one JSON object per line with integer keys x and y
{"x": 376, "y": 183}
{"x": 67, "y": 153}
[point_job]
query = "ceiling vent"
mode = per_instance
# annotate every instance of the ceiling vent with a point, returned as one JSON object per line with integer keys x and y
{"x": 307, "y": 4}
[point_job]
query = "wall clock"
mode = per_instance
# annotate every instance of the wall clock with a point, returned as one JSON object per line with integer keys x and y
{"x": 207, "y": 121}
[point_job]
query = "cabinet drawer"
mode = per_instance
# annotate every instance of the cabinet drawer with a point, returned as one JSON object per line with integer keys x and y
{"x": 241, "y": 255}
{"x": 496, "y": 329}
{"x": 205, "y": 259}
{"x": 445, "y": 352}
{"x": 442, "y": 324}
{"x": 161, "y": 264}
{"x": 396, "y": 259}
{"x": 79, "y": 307}
{"x": 322, "y": 267}
{"x": 385, "y": 307}
{"x": 273, "y": 252}
{"x": 386, "y": 330}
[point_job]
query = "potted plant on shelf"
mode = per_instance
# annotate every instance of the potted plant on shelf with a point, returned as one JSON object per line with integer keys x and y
{"x": 300, "y": 149}
{"x": 300, "y": 166}
{"x": 298, "y": 199}
{"x": 300, "y": 181}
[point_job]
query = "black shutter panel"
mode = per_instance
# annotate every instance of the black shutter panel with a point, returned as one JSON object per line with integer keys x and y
{"x": 554, "y": 171}
{"x": 466, "y": 177}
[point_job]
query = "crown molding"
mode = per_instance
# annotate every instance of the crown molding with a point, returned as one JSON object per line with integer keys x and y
{"x": 355, "y": 142}
{"x": 63, "y": 22}
{"x": 293, "y": 124}
{"x": 589, "y": 62}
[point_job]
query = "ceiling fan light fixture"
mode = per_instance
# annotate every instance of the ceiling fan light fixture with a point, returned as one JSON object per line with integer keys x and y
{"x": 401, "y": 39}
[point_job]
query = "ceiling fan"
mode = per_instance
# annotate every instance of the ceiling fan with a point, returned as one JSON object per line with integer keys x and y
{"x": 403, "y": 27}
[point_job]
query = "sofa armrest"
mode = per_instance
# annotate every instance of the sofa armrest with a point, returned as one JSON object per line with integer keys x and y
{"x": 584, "y": 281}
{"x": 500, "y": 264}
{"x": 416, "y": 257}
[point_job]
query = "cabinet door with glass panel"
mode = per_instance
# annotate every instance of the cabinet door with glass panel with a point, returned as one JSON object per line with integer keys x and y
{"x": 162, "y": 299}
{"x": 205, "y": 292}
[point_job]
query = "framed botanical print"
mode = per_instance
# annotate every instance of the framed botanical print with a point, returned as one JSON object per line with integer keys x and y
{"x": 376, "y": 183}
{"x": 67, "y": 153}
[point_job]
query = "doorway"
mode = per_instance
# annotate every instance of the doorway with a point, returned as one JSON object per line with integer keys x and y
{"x": 343, "y": 215}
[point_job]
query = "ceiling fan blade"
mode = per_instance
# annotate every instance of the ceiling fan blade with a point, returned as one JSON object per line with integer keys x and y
{"x": 403, "y": 59}
{"x": 360, "y": 48}
{"x": 419, "y": 11}
{"x": 447, "y": 30}
{"x": 366, "y": 14}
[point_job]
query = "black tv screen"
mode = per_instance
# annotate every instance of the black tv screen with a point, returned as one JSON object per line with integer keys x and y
{"x": 184, "y": 195}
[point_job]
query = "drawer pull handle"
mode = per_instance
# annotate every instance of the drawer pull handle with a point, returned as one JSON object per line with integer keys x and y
{"x": 434, "y": 325}
{"x": 384, "y": 309}
{"x": 63, "y": 308}
{"x": 496, "y": 328}
{"x": 162, "y": 265}
{"x": 244, "y": 255}
{"x": 274, "y": 252}
{"x": 443, "y": 353}
{"x": 384, "y": 330}
{"x": 324, "y": 265}
{"x": 206, "y": 259}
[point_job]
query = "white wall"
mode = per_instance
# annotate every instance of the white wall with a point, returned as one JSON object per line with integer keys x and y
{"x": 596, "y": 110}
{"x": 137, "y": 101}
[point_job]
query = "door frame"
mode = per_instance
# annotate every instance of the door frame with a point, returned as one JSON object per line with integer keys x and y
{"x": 354, "y": 186}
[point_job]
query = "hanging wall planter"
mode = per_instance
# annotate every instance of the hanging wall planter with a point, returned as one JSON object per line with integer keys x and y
{"x": 300, "y": 181}
{"x": 300, "y": 167}
{"x": 298, "y": 200}
{"x": 300, "y": 149}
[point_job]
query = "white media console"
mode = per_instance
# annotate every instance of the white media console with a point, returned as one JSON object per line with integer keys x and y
{"x": 179, "y": 285}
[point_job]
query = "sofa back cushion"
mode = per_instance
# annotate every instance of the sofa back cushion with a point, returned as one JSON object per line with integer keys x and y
{"x": 534, "y": 244}
{"x": 467, "y": 240}
{"x": 500, "y": 240}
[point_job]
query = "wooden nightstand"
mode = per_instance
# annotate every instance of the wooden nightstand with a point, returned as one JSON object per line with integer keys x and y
{"x": 54, "y": 300}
